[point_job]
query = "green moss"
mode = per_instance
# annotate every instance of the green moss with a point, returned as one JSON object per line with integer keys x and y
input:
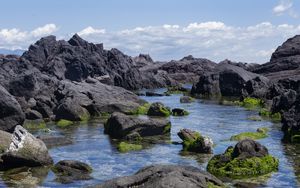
{"x": 260, "y": 134}
{"x": 252, "y": 103}
{"x": 212, "y": 185}
{"x": 192, "y": 144}
{"x": 175, "y": 90}
{"x": 141, "y": 110}
{"x": 34, "y": 125}
{"x": 241, "y": 168}
{"x": 64, "y": 123}
{"x": 164, "y": 111}
{"x": 267, "y": 114}
{"x": 84, "y": 117}
{"x": 230, "y": 103}
{"x": 125, "y": 147}
{"x": 167, "y": 128}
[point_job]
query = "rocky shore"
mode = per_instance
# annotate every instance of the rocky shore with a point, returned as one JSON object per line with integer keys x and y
{"x": 73, "y": 81}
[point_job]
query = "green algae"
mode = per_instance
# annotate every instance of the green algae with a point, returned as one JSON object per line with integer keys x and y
{"x": 126, "y": 147}
{"x": 64, "y": 123}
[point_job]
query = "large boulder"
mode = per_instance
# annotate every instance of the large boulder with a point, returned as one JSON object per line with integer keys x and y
{"x": 247, "y": 159}
{"x": 5, "y": 140}
{"x": 11, "y": 113}
{"x": 121, "y": 126}
{"x": 229, "y": 80}
{"x": 25, "y": 150}
{"x": 165, "y": 176}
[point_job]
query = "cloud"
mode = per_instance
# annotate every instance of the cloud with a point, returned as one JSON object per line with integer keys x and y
{"x": 16, "y": 39}
{"x": 91, "y": 31}
{"x": 285, "y": 6}
{"x": 212, "y": 40}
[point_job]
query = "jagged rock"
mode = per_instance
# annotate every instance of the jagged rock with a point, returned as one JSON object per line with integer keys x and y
{"x": 11, "y": 113}
{"x": 228, "y": 80}
{"x": 33, "y": 114}
{"x": 159, "y": 109}
{"x": 68, "y": 171}
{"x": 165, "y": 176}
{"x": 249, "y": 148}
{"x": 120, "y": 125}
{"x": 25, "y": 150}
{"x": 194, "y": 142}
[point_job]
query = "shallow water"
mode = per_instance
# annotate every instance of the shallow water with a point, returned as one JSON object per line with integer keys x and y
{"x": 92, "y": 146}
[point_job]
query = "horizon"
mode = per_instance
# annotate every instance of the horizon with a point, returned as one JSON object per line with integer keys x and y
{"x": 164, "y": 30}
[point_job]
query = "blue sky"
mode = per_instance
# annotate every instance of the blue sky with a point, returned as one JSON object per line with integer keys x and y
{"x": 247, "y": 30}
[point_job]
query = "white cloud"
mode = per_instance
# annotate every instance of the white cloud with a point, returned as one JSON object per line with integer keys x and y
{"x": 91, "y": 31}
{"x": 206, "y": 26}
{"x": 285, "y": 7}
{"x": 45, "y": 30}
{"x": 17, "y": 39}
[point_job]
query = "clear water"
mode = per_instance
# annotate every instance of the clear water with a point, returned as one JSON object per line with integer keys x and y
{"x": 218, "y": 122}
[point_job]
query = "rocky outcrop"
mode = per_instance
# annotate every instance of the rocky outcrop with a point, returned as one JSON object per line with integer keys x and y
{"x": 68, "y": 171}
{"x": 11, "y": 113}
{"x": 285, "y": 61}
{"x": 123, "y": 126}
{"x": 25, "y": 150}
{"x": 5, "y": 140}
{"x": 165, "y": 176}
{"x": 159, "y": 109}
{"x": 247, "y": 159}
{"x": 229, "y": 80}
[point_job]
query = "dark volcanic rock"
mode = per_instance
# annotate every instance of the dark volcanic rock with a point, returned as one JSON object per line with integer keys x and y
{"x": 228, "y": 80}
{"x": 159, "y": 109}
{"x": 249, "y": 148}
{"x": 120, "y": 125}
{"x": 284, "y": 63}
{"x": 68, "y": 171}
{"x": 165, "y": 176}
{"x": 11, "y": 113}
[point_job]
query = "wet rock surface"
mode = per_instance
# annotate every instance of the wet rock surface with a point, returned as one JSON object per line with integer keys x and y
{"x": 68, "y": 171}
{"x": 120, "y": 125}
{"x": 165, "y": 176}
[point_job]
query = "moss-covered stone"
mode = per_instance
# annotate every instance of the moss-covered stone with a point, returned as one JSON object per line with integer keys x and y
{"x": 179, "y": 112}
{"x": 167, "y": 128}
{"x": 254, "y": 118}
{"x": 252, "y": 103}
{"x": 125, "y": 147}
{"x": 159, "y": 109}
{"x": 141, "y": 110}
{"x": 295, "y": 139}
{"x": 276, "y": 117}
{"x": 226, "y": 166}
{"x": 64, "y": 123}
{"x": 259, "y": 134}
{"x": 35, "y": 124}
{"x": 186, "y": 99}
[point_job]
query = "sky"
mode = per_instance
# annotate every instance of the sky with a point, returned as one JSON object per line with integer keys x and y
{"x": 245, "y": 31}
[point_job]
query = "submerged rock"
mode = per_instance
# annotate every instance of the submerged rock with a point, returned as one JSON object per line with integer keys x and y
{"x": 165, "y": 176}
{"x": 159, "y": 109}
{"x": 68, "y": 171}
{"x": 186, "y": 99}
{"x": 25, "y": 150}
{"x": 121, "y": 126}
{"x": 194, "y": 142}
{"x": 179, "y": 112}
{"x": 247, "y": 159}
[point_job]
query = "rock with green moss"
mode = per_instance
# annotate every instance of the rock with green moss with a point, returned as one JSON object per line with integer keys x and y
{"x": 272, "y": 116}
{"x": 186, "y": 99}
{"x": 255, "y": 118}
{"x": 64, "y": 123}
{"x": 259, "y": 134}
{"x": 247, "y": 159}
{"x": 141, "y": 110}
{"x": 252, "y": 103}
{"x": 176, "y": 90}
{"x": 126, "y": 147}
{"x": 179, "y": 112}
{"x": 35, "y": 124}
{"x": 68, "y": 171}
{"x": 120, "y": 126}
{"x": 194, "y": 142}
{"x": 159, "y": 109}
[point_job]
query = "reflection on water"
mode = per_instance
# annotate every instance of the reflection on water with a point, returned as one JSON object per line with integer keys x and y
{"x": 219, "y": 122}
